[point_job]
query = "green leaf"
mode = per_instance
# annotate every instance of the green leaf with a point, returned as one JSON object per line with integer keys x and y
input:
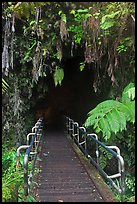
{"x": 60, "y": 12}
{"x": 87, "y": 15}
{"x": 104, "y": 126}
{"x": 63, "y": 17}
{"x": 44, "y": 52}
{"x": 98, "y": 129}
{"x": 130, "y": 109}
{"x": 72, "y": 12}
{"x": 82, "y": 66}
{"x": 131, "y": 93}
{"x": 109, "y": 16}
{"x": 111, "y": 116}
{"x": 128, "y": 93}
{"x": 107, "y": 24}
{"x": 116, "y": 120}
{"x": 32, "y": 22}
{"x": 58, "y": 76}
{"x": 27, "y": 53}
{"x": 82, "y": 10}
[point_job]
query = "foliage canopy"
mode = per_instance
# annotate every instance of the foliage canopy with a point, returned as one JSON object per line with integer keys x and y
{"x": 99, "y": 28}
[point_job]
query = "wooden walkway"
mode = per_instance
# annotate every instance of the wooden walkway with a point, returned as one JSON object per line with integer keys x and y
{"x": 63, "y": 177}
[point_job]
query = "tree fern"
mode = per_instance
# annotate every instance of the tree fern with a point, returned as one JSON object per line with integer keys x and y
{"x": 111, "y": 115}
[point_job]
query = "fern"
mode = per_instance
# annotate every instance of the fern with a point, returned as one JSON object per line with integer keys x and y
{"x": 128, "y": 93}
{"x": 112, "y": 116}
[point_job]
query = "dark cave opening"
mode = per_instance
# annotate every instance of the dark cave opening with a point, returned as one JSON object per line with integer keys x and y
{"x": 74, "y": 98}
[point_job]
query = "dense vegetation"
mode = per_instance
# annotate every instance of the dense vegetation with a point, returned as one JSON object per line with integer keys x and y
{"x": 36, "y": 37}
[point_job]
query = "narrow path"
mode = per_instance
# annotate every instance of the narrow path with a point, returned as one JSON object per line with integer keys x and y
{"x": 63, "y": 177}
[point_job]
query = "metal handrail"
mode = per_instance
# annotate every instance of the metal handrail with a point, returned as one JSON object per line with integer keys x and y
{"x": 31, "y": 150}
{"x": 70, "y": 124}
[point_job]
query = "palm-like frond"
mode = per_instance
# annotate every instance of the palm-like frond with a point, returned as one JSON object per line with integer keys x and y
{"x": 112, "y": 116}
{"x": 128, "y": 93}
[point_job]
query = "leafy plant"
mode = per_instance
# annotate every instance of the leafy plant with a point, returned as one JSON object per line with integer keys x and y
{"x": 11, "y": 178}
{"x": 11, "y": 181}
{"x": 77, "y": 28}
{"x": 111, "y": 115}
{"x": 22, "y": 198}
{"x": 8, "y": 157}
{"x": 130, "y": 184}
{"x": 28, "y": 52}
{"x": 107, "y": 20}
{"x": 104, "y": 157}
{"x": 124, "y": 44}
{"x": 129, "y": 190}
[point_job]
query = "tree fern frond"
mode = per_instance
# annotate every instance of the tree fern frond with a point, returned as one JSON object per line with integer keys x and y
{"x": 93, "y": 118}
{"x": 105, "y": 127}
{"x": 111, "y": 116}
{"x": 123, "y": 120}
{"x": 102, "y": 109}
{"x": 98, "y": 129}
{"x": 129, "y": 110}
{"x": 110, "y": 119}
{"x": 131, "y": 93}
{"x": 96, "y": 114}
{"x": 96, "y": 125}
{"x": 128, "y": 93}
{"x": 117, "y": 120}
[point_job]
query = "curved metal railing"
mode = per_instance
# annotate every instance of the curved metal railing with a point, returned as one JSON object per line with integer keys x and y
{"x": 33, "y": 140}
{"x": 74, "y": 130}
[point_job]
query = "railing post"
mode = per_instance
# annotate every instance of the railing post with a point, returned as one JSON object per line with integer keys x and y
{"x": 28, "y": 135}
{"x": 78, "y": 133}
{"x": 122, "y": 178}
{"x": 85, "y": 139}
{"x": 94, "y": 137}
{"x": 68, "y": 126}
{"x": 97, "y": 149}
{"x": 30, "y": 147}
{"x": 18, "y": 154}
{"x": 26, "y": 175}
{"x": 73, "y": 130}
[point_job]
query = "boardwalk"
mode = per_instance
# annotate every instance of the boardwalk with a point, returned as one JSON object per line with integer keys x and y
{"x": 63, "y": 177}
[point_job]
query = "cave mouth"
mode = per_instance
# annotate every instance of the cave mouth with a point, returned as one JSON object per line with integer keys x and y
{"x": 74, "y": 98}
